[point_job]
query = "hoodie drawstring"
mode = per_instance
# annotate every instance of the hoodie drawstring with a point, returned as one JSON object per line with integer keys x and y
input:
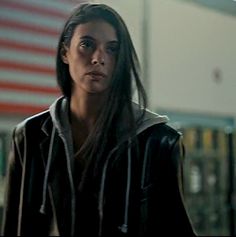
{"x": 46, "y": 177}
{"x": 145, "y": 160}
{"x": 72, "y": 187}
{"x": 124, "y": 227}
{"x": 101, "y": 193}
{"x": 48, "y": 166}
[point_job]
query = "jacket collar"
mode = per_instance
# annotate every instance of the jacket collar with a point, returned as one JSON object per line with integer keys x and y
{"x": 47, "y": 126}
{"x": 55, "y": 183}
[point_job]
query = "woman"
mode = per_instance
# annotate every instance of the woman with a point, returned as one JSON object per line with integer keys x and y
{"x": 96, "y": 163}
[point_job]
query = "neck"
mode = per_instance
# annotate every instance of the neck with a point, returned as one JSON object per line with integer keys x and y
{"x": 84, "y": 112}
{"x": 85, "y": 109}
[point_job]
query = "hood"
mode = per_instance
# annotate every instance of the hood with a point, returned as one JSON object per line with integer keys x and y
{"x": 59, "y": 112}
{"x": 150, "y": 118}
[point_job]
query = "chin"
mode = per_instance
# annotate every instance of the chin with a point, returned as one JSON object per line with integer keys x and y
{"x": 98, "y": 90}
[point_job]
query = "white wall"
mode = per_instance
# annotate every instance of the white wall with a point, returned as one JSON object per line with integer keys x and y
{"x": 186, "y": 44}
{"x": 132, "y": 13}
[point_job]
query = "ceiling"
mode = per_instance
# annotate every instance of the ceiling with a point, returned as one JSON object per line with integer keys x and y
{"x": 224, "y": 6}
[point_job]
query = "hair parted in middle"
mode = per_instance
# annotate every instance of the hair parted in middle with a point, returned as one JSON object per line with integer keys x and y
{"x": 126, "y": 75}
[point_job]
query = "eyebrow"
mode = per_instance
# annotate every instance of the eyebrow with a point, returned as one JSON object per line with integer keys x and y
{"x": 91, "y": 38}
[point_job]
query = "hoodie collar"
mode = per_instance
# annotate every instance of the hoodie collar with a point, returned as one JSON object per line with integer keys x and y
{"x": 59, "y": 116}
{"x": 150, "y": 118}
{"x": 59, "y": 111}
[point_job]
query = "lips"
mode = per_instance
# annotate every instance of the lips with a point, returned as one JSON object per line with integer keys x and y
{"x": 96, "y": 74}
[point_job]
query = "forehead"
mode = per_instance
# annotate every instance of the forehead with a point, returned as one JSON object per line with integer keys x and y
{"x": 98, "y": 29}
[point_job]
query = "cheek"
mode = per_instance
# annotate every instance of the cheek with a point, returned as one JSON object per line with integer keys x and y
{"x": 112, "y": 63}
{"x": 78, "y": 64}
{"x": 75, "y": 70}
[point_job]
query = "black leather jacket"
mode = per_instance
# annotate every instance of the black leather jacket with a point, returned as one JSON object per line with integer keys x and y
{"x": 139, "y": 195}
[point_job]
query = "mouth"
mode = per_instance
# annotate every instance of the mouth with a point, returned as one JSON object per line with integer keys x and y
{"x": 96, "y": 74}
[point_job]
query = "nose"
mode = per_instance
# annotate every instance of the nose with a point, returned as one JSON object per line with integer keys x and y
{"x": 98, "y": 57}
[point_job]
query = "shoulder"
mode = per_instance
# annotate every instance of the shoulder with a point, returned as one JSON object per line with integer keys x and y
{"x": 166, "y": 129}
{"x": 160, "y": 140}
{"x": 31, "y": 123}
{"x": 161, "y": 132}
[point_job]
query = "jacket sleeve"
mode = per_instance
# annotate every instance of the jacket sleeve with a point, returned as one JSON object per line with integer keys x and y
{"x": 183, "y": 220}
{"x": 12, "y": 189}
{"x": 163, "y": 210}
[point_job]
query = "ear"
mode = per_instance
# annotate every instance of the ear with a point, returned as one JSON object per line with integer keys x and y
{"x": 63, "y": 52}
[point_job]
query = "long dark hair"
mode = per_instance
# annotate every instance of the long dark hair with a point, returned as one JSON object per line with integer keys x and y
{"x": 126, "y": 75}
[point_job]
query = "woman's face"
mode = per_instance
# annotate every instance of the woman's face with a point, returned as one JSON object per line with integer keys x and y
{"x": 91, "y": 56}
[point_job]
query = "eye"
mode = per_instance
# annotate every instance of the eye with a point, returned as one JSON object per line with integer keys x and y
{"x": 87, "y": 45}
{"x": 113, "y": 48}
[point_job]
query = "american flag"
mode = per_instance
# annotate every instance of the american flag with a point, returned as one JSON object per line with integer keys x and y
{"x": 29, "y": 31}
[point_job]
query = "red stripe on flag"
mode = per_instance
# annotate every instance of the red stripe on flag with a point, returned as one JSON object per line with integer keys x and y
{"x": 12, "y": 45}
{"x": 16, "y": 66}
{"x": 28, "y": 27}
{"x": 33, "y": 9}
{"x": 10, "y": 86}
{"x": 21, "y": 109}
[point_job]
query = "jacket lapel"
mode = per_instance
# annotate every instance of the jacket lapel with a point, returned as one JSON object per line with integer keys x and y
{"x": 59, "y": 193}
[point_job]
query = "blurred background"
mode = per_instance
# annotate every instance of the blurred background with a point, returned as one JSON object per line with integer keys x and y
{"x": 188, "y": 54}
